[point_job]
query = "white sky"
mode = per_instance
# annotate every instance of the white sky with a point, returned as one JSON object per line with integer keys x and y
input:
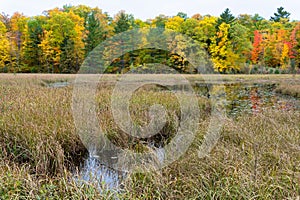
{"x": 145, "y": 9}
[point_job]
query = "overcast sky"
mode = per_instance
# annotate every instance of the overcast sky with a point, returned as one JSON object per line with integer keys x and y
{"x": 146, "y": 9}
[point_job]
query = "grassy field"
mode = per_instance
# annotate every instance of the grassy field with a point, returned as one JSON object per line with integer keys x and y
{"x": 257, "y": 155}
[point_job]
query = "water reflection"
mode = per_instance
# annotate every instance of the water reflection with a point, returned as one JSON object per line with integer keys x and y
{"x": 58, "y": 84}
{"x": 249, "y": 98}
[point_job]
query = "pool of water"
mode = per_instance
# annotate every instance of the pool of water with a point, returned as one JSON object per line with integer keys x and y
{"x": 59, "y": 84}
{"x": 98, "y": 174}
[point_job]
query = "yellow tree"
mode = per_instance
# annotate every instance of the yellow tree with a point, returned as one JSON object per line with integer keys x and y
{"x": 284, "y": 59}
{"x": 174, "y": 23}
{"x": 205, "y": 31}
{"x": 4, "y": 48}
{"x": 223, "y": 57}
{"x": 191, "y": 28}
{"x": 62, "y": 45}
{"x": 295, "y": 45}
{"x": 274, "y": 42}
{"x": 17, "y": 36}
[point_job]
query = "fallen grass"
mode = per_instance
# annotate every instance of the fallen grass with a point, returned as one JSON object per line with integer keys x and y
{"x": 257, "y": 156}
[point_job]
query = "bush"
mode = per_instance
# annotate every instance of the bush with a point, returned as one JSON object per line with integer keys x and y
{"x": 271, "y": 71}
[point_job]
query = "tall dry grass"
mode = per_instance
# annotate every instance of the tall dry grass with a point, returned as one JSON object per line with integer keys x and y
{"x": 257, "y": 156}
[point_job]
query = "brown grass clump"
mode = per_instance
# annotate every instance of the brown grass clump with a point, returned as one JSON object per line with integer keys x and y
{"x": 289, "y": 89}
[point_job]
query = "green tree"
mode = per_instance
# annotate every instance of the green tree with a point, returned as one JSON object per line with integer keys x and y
{"x": 188, "y": 27}
{"x": 260, "y": 23}
{"x": 123, "y": 22}
{"x": 253, "y": 23}
{"x": 225, "y": 17}
{"x": 159, "y": 21}
{"x": 280, "y": 14}
{"x": 32, "y": 50}
{"x": 240, "y": 42}
{"x": 182, "y": 15}
{"x": 95, "y": 32}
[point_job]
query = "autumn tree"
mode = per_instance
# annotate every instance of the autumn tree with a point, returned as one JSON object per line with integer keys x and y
{"x": 4, "y": 48}
{"x": 5, "y": 19}
{"x": 17, "y": 37}
{"x": 197, "y": 16}
{"x": 206, "y": 30}
{"x": 285, "y": 58}
{"x": 223, "y": 56}
{"x": 63, "y": 47}
{"x": 295, "y": 46}
{"x": 174, "y": 23}
{"x": 60, "y": 39}
{"x": 96, "y": 25}
{"x": 273, "y": 44}
{"x": 257, "y": 47}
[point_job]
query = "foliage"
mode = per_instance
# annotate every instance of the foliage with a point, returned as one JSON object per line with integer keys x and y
{"x": 4, "y": 48}
{"x": 256, "y": 51}
{"x": 59, "y": 40}
{"x": 221, "y": 49}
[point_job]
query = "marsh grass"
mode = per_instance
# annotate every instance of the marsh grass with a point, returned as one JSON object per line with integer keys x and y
{"x": 289, "y": 90}
{"x": 257, "y": 156}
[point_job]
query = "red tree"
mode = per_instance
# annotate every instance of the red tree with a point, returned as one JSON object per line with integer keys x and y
{"x": 256, "y": 47}
{"x": 294, "y": 41}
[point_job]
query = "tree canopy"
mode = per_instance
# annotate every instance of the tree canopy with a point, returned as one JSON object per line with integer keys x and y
{"x": 59, "y": 40}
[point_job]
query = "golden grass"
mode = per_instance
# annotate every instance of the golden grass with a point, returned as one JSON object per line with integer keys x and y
{"x": 257, "y": 156}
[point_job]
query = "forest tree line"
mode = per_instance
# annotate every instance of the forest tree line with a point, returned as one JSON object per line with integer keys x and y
{"x": 59, "y": 40}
